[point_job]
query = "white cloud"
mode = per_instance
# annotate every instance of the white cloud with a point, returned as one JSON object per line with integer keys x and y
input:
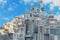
{"x": 5, "y": 18}
{"x": 35, "y": 1}
{"x": 29, "y": 1}
{"x": 2, "y": 3}
{"x": 57, "y": 17}
{"x": 55, "y": 2}
{"x": 47, "y": 1}
{"x": 12, "y": 7}
{"x": 59, "y": 8}
{"x": 51, "y": 6}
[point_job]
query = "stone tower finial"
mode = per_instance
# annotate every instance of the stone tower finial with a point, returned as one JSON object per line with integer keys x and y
{"x": 33, "y": 9}
{"x": 41, "y": 8}
{"x": 51, "y": 14}
{"x": 40, "y": 3}
{"x": 26, "y": 10}
{"x": 32, "y": 6}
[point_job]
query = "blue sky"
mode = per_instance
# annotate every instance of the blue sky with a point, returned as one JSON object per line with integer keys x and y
{"x": 9, "y": 9}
